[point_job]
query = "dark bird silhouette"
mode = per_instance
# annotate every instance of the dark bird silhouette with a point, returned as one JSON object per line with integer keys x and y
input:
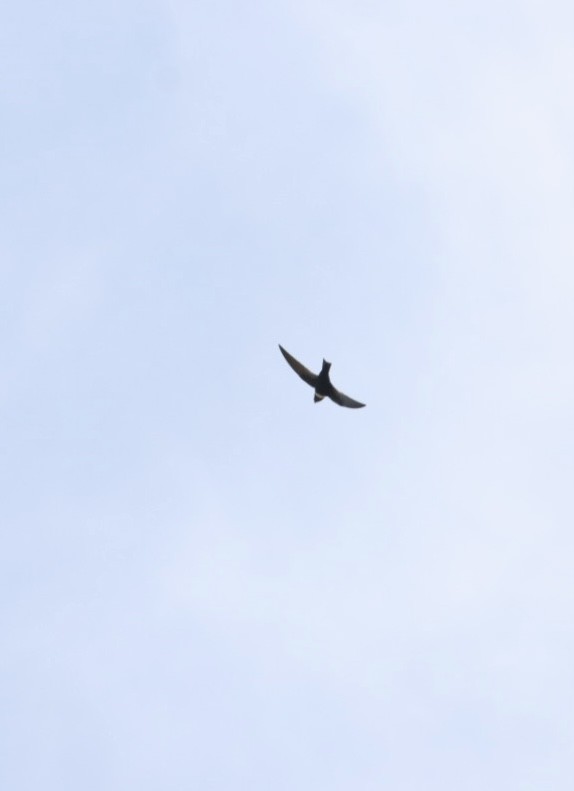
{"x": 320, "y": 382}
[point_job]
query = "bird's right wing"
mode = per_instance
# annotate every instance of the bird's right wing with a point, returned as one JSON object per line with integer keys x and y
{"x": 305, "y": 374}
{"x": 344, "y": 400}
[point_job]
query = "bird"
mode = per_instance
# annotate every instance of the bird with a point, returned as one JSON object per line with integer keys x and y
{"x": 320, "y": 382}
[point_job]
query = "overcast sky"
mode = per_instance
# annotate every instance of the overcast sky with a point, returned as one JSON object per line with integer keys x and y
{"x": 209, "y": 582}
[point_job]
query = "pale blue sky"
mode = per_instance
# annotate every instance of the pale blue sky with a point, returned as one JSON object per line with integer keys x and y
{"x": 209, "y": 582}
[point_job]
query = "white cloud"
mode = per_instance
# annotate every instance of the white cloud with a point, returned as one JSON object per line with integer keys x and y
{"x": 411, "y": 569}
{"x": 450, "y": 593}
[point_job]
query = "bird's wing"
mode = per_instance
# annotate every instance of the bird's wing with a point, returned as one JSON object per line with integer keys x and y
{"x": 299, "y": 368}
{"x": 344, "y": 400}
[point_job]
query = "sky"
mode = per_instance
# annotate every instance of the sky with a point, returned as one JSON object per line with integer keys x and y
{"x": 208, "y": 581}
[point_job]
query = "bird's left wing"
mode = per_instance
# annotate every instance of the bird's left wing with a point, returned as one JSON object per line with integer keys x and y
{"x": 305, "y": 374}
{"x": 344, "y": 400}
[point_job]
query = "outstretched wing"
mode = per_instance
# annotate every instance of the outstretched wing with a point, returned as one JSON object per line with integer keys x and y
{"x": 344, "y": 400}
{"x": 299, "y": 368}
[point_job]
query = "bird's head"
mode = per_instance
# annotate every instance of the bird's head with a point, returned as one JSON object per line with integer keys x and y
{"x": 326, "y": 365}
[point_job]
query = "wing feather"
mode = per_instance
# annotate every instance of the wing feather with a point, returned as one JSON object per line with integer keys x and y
{"x": 344, "y": 400}
{"x": 305, "y": 374}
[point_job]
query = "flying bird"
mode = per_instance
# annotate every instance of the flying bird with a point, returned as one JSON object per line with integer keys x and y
{"x": 320, "y": 382}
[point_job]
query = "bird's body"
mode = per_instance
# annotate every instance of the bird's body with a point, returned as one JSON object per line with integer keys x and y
{"x": 320, "y": 382}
